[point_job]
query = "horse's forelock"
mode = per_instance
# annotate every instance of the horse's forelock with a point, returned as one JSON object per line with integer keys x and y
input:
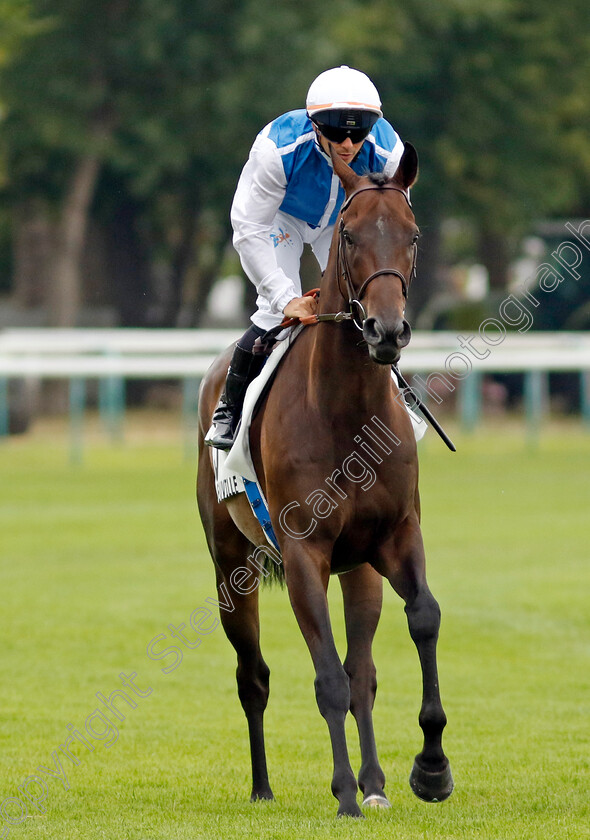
{"x": 378, "y": 178}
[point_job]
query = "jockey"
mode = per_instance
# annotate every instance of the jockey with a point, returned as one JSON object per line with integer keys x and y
{"x": 288, "y": 195}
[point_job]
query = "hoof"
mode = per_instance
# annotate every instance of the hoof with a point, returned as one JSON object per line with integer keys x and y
{"x": 351, "y": 810}
{"x": 376, "y": 800}
{"x": 431, "y": 787}
{"x": 262, "y": 796}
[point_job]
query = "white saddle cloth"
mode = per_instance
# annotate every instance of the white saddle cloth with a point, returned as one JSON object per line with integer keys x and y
{"x": 239, "y": 459}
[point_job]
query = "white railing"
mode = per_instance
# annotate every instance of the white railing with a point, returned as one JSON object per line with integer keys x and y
{"x": 64, "y": 353}
{"x": 95, "y": 353}
{"x": 113, "y": 355}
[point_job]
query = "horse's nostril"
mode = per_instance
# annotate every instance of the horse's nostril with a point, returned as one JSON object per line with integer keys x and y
{"x": 375, "y": 333}
{"x": 405, "y": 335}
{"x": 372, "y": 331}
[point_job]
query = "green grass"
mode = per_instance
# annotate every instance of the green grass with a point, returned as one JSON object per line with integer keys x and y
{"x": 98, "y": 559}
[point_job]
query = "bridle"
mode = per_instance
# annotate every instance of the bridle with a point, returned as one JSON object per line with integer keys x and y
{"x": 356, "y": 311}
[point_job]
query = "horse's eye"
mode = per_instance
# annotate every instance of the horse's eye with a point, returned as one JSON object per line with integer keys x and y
{"x": 347, "y": 237}
{"x": 415, "y": 237}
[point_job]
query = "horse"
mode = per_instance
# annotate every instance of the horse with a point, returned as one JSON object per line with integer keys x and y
{"x": 335, "y": 453}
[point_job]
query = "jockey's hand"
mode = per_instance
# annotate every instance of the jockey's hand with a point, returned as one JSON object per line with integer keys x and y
{"x": 301, "y": 307}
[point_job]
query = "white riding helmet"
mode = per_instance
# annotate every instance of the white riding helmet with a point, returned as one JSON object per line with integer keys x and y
{"x": 343, "y": 88}
{"x": 342, "y": 103}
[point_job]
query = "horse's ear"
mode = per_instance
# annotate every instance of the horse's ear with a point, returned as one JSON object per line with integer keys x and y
{"x": 407, "y": 171}
{"x": 348, "y": 176}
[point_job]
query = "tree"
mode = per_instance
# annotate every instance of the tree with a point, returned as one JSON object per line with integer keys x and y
{"x": 16, "y": 24}
{"x": 122, "y": 88}
{"x": 494, "y": 96}
{"x": 143, "y": 112}
{"x": 135, "y": 119}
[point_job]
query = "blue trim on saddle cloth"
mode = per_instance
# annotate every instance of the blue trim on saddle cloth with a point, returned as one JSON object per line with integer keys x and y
{"x": 260, "y": 511}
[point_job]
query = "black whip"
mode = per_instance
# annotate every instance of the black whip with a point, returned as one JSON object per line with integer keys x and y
{"x": 424, "y": 410}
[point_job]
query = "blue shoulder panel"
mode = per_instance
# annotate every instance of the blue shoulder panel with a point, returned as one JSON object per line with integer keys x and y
{"x": 285, "y": 130}
{"x": 307, "y": 171}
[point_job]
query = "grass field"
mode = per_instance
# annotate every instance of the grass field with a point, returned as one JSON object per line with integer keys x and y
{"x": 97, "y": 560}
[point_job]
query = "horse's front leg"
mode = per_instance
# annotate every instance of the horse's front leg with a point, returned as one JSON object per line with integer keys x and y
{"x": 307, "y": 575}
{"x": 431, "y": 777}
{"x": 404, "y": 566}
{"x": 362, "y": 591}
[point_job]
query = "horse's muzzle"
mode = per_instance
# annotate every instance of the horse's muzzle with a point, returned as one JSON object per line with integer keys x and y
{"x": 386, "y": 342}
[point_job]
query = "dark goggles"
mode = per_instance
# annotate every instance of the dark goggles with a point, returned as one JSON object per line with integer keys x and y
{"x": 339, "y": 135}
{"x": 337, "y": 125}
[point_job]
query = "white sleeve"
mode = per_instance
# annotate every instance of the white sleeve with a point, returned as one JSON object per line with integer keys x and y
{"x": 259, "y": 194}
{"x": 394, "y": 157}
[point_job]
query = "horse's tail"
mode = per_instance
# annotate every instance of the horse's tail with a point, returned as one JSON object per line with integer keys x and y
{"x": 272, "y": 571}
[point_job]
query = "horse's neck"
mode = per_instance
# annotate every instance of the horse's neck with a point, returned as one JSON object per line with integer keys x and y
{"x": 341, "y": 377}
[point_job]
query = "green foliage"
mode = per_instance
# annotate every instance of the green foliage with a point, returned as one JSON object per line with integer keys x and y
{"x": 492, "y": 94}
{"x": 16, "y": 24}
{"x": 5, "y": 252}
{"x": 170, "y": 94}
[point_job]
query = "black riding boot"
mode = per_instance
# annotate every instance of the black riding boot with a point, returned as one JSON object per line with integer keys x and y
{"x": 243, "y": 368}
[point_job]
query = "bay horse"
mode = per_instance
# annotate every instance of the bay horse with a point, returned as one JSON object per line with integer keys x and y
{"x": 334, "y": 509}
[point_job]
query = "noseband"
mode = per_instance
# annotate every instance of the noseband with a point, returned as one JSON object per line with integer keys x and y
{"x": 357, "y": 311}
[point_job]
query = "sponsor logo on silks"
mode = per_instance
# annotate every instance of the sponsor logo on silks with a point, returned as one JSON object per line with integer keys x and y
{"x": 281, "y": 236}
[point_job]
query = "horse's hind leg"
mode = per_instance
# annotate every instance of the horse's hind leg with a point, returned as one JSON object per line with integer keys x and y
{"x": 242, "y": 628}
{"x": 229, "y": 549}
{"x": 431, "y": 778}
{"x": 362, "y": 591}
